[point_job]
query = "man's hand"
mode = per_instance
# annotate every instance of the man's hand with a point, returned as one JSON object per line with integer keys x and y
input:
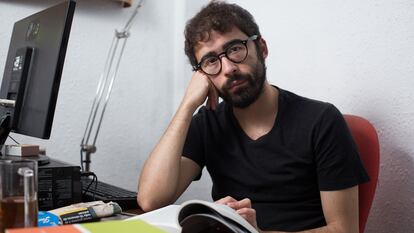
{"x": 242, "y": 207}
{"x": 340, "y": 209}
{"x": 200, "y": 89}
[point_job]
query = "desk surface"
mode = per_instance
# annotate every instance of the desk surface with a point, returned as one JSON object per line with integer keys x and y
{"x": 124, "y": 215}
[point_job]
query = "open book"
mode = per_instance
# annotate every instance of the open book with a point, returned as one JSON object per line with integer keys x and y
{"x": 197, "y": 216}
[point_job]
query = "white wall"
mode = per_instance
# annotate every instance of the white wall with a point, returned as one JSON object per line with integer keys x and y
{"x": 141, "y": 103}
{"x": 358, "y": 55}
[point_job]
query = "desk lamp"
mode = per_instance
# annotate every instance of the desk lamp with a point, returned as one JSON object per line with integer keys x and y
{"x": 88, "y": 146}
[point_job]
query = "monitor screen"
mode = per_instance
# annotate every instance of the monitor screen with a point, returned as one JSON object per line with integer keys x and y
{"x": 33, "y": 69}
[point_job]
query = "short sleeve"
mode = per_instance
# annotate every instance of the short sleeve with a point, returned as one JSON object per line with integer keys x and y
{"x": 339, "y": 165}
{"x": 193, "y": 146}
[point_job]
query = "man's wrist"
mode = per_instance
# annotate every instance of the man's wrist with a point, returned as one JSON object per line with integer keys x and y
{"x": 187, "y": 107}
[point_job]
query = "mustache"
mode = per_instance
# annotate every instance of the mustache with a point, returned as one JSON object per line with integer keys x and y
{"x": 236, "y": 77}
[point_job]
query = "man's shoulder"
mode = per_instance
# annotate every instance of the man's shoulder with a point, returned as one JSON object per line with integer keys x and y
{"x": 304, "y": 107}
{"x": 293, "y": 98}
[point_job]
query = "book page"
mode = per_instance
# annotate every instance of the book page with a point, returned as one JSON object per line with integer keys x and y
{"x": 164, "y": 218}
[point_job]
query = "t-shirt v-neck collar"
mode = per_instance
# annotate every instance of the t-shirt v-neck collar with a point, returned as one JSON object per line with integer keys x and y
{"x": 240, "y": 130}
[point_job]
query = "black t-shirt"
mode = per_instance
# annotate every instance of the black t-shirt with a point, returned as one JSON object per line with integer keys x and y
{"x": 308, "y": 150}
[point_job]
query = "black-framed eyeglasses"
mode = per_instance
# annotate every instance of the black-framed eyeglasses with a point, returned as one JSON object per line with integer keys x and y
{"x": 236, "y": 52}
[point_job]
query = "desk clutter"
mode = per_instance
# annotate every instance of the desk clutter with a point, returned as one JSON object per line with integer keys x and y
{"x": 76, "y": 213}
{"x": 194, "y": 216}
{"x": 61, "y": 184}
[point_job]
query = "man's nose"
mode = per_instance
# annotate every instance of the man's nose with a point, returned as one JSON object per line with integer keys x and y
{"x": 227, "y": 66}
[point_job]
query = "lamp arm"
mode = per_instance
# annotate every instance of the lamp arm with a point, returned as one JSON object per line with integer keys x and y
{"x": 105, "y": 86}
{"x": 131, "y": 19}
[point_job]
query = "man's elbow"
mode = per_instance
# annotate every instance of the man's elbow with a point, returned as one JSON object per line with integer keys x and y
{"x": 147, "y": 204}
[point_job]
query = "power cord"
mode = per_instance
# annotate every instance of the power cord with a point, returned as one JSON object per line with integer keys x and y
{"x": 81, "y": 160}
{"x": 14, "y": 140}
{"x": 94, "y": 180}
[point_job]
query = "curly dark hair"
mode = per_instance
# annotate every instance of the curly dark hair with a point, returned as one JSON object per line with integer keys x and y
{"x": 217, "y": 16}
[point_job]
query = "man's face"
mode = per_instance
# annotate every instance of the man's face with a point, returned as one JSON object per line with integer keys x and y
{"x": 239, "y": 84}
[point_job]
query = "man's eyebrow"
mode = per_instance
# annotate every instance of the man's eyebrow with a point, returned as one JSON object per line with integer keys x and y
{"x": 228, "y": 43}
{"x": 224, "y": 47}
{"x": 209, "y": 54}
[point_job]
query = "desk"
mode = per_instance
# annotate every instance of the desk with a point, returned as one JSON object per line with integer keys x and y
{"x": 124, "y": 215}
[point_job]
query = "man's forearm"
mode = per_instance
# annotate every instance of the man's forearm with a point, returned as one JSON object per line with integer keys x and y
{"x": 160, "y": 175}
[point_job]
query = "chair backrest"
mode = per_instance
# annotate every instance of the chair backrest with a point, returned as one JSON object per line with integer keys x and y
{"x": 366, "y": 138}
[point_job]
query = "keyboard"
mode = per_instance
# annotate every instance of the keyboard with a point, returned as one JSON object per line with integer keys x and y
{"x": 102, "y": 191}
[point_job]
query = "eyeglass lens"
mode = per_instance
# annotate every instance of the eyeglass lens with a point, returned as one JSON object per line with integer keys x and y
{"x": 235, "y": 53}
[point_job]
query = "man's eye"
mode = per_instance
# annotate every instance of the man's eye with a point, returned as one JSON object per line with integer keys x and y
{"x": 235, "y": 48}
{"x": 210, "y": 61}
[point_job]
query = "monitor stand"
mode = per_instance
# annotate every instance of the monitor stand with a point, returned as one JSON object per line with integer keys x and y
{"x": 4, "y": 133}
{"x": 41, "y": 159}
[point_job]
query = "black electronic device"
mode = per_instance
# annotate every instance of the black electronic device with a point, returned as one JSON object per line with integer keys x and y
{"x": 29, "y": 92}
{"x": 92, "y": 190}
{"x": 58, "y": 185}
{"x": 33, "y": 71}
{"x": 18, "y": 78}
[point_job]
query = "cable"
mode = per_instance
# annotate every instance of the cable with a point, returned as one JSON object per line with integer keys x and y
{"x": 81, "y": 160}
{"x": 96, "y": 187}
{"x": 14, "y": 140}
{"x": 94, "y": 180}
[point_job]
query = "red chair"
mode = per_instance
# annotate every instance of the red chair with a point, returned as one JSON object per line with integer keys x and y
{"x": 366, "y": 138}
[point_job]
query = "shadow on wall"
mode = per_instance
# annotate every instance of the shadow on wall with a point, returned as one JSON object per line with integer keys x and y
{"x": 393, "y": 209}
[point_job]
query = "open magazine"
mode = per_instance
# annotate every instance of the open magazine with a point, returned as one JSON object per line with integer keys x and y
{"x": 197, "y": 216}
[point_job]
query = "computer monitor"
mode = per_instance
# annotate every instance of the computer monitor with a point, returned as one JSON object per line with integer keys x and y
{"x": 33, "y": 71}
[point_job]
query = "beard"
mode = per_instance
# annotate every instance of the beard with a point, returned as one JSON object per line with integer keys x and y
{"x": 248, "y": 93}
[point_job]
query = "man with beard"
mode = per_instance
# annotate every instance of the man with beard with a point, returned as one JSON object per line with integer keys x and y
{"x": 283, "y": 162}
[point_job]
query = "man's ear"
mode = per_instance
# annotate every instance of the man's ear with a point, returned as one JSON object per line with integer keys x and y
{"x": 263, "y": 47}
